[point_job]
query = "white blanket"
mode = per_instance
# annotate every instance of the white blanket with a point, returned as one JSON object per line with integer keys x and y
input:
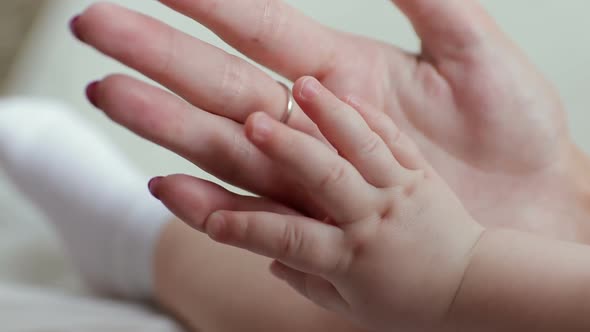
{"x": 27, "y": 309}
{"x": 41, "y": 291}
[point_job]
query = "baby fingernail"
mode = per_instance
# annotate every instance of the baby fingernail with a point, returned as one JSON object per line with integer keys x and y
{"x": 91, "y": 93}
{"x": 153, "y": 185}
{"x": 261, "y": 128}
{"x": 310, "y": 88}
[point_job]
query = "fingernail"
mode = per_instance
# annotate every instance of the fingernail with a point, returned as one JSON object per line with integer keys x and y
{"x": 74, "y": 27}
{"x": 311, "y": 87}
{"x": 91, "y": 93}
{"x": 153, "y": 186}
{"x": 261, "y": 128}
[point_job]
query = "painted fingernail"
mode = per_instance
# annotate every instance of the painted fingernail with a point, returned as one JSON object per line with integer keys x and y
{"x": 261, "y": 128}
{"x": 310, "y": 88}
{"x": 153, "y": 186}
{"x": 91, "y": 94}
{"x": 74, "y": 27}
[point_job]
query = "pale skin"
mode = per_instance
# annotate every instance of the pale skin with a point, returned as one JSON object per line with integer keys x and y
{"x": 470, "y": 138}
{"x": 398, "y": 251}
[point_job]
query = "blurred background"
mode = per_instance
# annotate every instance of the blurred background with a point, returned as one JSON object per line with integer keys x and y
{"x": 39, "y": 57}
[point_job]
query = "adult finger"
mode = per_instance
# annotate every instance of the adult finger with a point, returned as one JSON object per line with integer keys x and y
{"x": 214, "y": 143}
{"x": 193, "y": 200}
{"x": 269, "y": 31}
{"x": 205, "y": 76}
{"x": 447, "y": 27}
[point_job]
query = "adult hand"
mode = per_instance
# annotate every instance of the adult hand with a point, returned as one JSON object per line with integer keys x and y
{"x": 484, "y": 117}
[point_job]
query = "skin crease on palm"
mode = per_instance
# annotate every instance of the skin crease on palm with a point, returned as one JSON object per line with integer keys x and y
{"x": 486, "y": 119}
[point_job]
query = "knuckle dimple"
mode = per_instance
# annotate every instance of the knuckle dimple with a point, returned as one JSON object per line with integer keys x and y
{"x": 335, "y": 175}
{"x": 371, "y": 144}
{"x": 291, "y": 242}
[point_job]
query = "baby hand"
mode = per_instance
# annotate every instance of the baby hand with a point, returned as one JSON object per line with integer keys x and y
{"x": 396, "y": 243}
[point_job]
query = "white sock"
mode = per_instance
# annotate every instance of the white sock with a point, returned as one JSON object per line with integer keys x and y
{"x": 98, "y": 202}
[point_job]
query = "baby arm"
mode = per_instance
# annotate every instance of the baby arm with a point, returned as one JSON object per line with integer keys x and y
{"x": 397, "y": 249}
{"x": 520, "y": 282}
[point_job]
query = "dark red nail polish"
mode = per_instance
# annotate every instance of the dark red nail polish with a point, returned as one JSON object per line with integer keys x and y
{"x": 91, "y": 93}
{"x": 73, "y": 27}
{"x": 153, "y": 185}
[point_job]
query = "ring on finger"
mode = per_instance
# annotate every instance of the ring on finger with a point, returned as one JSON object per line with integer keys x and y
{"x": 290, "y": 104}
